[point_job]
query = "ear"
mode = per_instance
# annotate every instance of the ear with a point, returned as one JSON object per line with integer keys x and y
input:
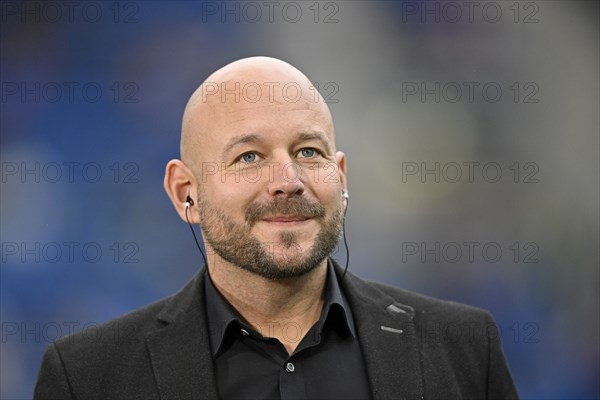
{"x": 340, "y": 157}
{"x": 179, "y": 183}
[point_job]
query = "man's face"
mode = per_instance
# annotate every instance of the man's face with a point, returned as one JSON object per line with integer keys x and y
{"x": 270, "y": 186}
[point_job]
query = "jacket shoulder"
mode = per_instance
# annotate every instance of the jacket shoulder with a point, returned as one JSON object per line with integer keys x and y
{"x": 122, "y": 329}
{"x": 101, "y": 361}
{"x": 132, "y": 327}
{"x": 423, "y": 305}
{"x": 459, "y": 345}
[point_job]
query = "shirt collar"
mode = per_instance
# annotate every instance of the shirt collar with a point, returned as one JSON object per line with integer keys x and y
{"x": 224, "y": 322}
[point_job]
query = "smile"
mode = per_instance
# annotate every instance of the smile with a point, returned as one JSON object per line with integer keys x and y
{"x": 286, "y": 220}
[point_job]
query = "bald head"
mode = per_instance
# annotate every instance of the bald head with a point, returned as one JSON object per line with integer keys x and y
{"x": 243, "y": 90}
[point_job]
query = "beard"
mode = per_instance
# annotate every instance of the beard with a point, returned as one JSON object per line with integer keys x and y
{"x": 234, "y": 242}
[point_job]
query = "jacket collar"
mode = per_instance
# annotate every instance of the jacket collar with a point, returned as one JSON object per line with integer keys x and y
{"x": 183, "y": 368}
{"x": 388, "y": 340}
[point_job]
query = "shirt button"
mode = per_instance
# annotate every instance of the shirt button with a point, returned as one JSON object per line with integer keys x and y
{"x": 244, "y": 332}
{"x": 289, "y": 367}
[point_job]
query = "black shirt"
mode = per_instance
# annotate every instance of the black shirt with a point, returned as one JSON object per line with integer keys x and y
{"x": 327, "y": 364}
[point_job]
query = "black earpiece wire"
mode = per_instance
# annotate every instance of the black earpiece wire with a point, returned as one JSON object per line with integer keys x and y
{"x": 344, "y": 235}
{"x": 187, "y": 206}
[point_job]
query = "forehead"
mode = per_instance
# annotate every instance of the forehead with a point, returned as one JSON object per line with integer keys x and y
{"x": 258, "y": 96}
{"x": 273, "y": 110}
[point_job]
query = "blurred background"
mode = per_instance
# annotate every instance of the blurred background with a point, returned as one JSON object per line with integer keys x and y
{"x": 471, "y": 131}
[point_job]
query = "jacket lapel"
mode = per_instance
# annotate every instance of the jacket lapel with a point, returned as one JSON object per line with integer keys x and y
{"x": 180, "y": 351}
{"x": 388, "y": 341}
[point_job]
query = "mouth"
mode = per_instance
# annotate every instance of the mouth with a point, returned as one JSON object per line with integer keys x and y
{"x": 285, "y": 220}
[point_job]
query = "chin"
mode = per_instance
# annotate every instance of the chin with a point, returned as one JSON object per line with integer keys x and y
{"x": 296, "y": 253}
{"x": 289, "y": 268}
{"x": 287, "y": 238}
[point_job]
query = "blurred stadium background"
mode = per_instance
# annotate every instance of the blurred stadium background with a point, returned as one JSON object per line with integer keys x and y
{"x": 503, "y": 96}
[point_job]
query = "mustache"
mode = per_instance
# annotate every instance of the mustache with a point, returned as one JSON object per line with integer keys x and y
{"x": 294, "y": 206}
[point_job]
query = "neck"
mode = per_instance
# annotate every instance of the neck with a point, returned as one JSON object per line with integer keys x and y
{"x": 285, "y": 309}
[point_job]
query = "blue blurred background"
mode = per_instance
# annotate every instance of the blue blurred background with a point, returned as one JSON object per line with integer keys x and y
{"x": 472, "y": 136}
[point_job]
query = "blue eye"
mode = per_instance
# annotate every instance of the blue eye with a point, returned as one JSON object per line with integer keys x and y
{"x": 248, "y": 157}
{"x": 308, "y": 152}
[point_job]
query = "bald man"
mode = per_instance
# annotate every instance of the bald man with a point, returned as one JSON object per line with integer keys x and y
{"x": 271, "y": 315}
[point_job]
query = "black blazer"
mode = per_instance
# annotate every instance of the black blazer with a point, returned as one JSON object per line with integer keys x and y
{"x": 414, "y": 347}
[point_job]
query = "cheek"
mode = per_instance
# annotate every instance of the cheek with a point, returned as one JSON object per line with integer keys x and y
{"x": 231, "y": 194}
{"x": 330, "y": 197}
{"x": 330, "y": 190}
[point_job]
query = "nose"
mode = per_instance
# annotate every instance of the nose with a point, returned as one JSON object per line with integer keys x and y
{"x": 286, "y": 179}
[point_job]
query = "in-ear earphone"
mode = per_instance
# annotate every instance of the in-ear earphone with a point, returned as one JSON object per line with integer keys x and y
{"x": 188, "y": 203}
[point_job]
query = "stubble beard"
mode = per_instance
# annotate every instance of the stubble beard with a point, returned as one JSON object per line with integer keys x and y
{"x": 235, "y": 243}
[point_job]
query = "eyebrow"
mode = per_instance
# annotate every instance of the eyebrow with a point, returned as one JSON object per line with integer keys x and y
{"x": 315, "y": 135}
{"x": 240, "y": 139}
{"x": 254, "y": 138}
